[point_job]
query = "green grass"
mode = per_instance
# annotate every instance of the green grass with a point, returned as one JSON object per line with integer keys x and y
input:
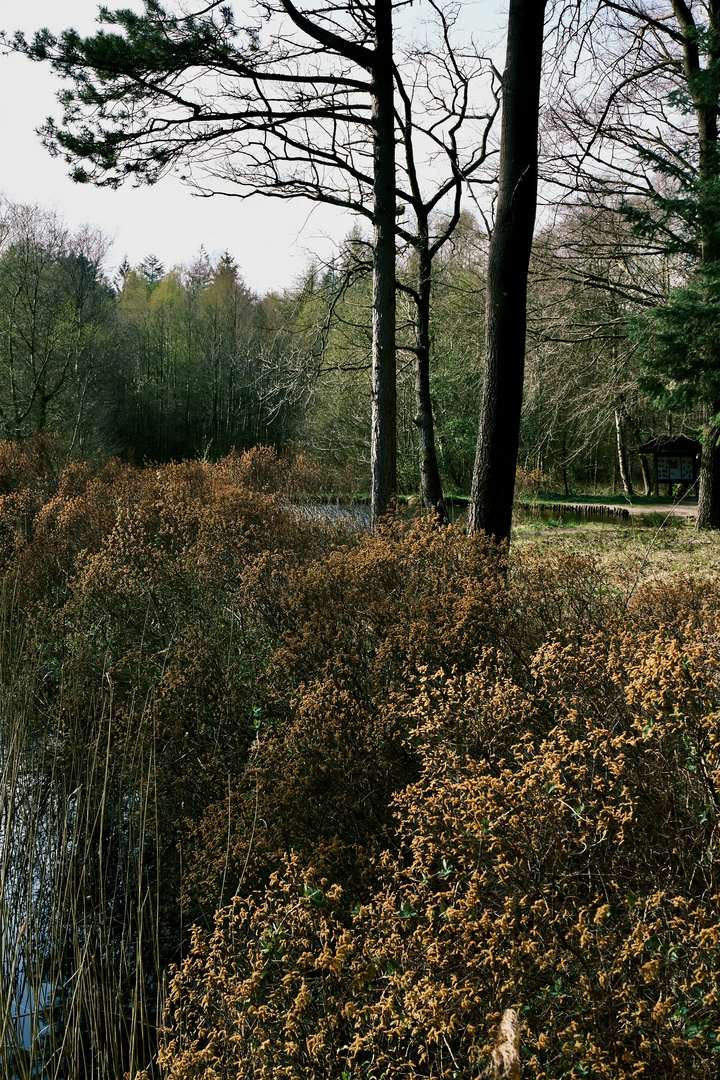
{"x": 643, "y": 545}
{"x": 599, "y": 500}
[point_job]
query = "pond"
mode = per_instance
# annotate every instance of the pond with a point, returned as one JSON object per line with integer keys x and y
{"x": 357, "y": 515}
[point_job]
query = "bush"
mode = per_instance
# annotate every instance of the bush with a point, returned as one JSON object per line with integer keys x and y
{"x": 402, "y": 782}
{"x": 557, "y": 854}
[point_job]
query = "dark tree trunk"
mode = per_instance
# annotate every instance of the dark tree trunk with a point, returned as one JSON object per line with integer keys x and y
{"x": 637, "y": 443}
{"x": 42, "y": 412}
{"x": 493, "y": 483}
{"x": 704, "y": 94}
{"x": 708, "y": 515}
{"x": 563, "y": 450}
{"x": 383, "y": 449}
{"x": 646, "y": 475}
{"x": 431, "y": 491}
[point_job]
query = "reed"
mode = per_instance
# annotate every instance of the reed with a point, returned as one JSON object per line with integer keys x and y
{"x": 79, "y": 866}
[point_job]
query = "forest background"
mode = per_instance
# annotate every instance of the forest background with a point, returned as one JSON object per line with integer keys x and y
{"x": 159, "y": 365}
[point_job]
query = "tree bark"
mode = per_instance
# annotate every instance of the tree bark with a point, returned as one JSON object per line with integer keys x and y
{"x": 431, "y": 491}
{"x": 646, "y": 475}
{"x": 383, "y": 449}
{"x": 566, "y": 486}
{"x": 493, "y": 483}
{"x": 708, "y": 515}
{"x": 621, "y": 455}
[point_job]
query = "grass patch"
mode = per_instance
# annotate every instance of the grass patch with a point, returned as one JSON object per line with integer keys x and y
{"x": 602, "y": 500}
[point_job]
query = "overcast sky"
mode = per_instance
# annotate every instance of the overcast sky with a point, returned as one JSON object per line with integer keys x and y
{"x": 272, "y": 241}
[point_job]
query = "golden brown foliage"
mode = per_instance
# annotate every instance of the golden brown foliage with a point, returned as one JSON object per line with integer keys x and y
{"x": 530, "y": 481}
{"x": 405, "y": 782}
{"x": 558, "y": 855}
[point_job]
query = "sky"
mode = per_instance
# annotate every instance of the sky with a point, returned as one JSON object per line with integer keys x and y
{"x": 271, "y": 241}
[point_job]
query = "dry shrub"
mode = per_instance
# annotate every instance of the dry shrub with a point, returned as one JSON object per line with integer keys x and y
{"x": 444, "y": 782}
{"x": 319, "y": 783}
{"x": 557, "y": 592}
{"x": 338, "y": 478}
{"x": 342, "y": 634}
{"x": 28, "y": 476}
{"x": 54, "y": 511}
{"x": 685, "y": 604}
{"x": 151, "y": 621}
{"x": 557, "y": 855}
{"x": 293, "y": 473}
{"x": 34, "y": 462}
{"x": 414, "y": 593}
{"x": 122, "y": 657}
{"x": 530, "y": 481}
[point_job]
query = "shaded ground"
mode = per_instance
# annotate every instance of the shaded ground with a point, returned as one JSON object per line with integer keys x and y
{"x": 683, "y": 509}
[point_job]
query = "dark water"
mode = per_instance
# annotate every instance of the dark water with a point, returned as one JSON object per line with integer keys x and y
{"x": 357, "y": 516}
{"x": 353, "y": 515}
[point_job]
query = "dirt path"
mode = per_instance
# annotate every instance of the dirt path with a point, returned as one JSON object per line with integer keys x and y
{"x": 684, "y": 509}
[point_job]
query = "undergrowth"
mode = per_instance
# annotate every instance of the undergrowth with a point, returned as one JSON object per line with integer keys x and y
{"x": 363, "y": 792}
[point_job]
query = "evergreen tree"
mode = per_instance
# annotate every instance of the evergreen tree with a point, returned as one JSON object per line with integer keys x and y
{"x": 152, "y": 268}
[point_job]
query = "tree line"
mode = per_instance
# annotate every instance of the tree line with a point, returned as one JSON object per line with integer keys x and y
{"x": 339, "y": 107}
{"x": 157, "y": 364}
{"x": 152, "y": 365}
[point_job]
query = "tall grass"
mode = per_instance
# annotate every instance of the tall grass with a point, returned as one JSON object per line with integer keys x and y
{"x": 79, "y": 919}
{"x": 119, "y": 693}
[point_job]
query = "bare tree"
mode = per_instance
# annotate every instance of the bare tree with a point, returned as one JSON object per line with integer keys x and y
{"x": 464, "y": 169}
{"x": 589, "y": 275}
{"x": 297, "y": 104}
{"x": 439, "y": 122}
{"x": 508, "y": 260}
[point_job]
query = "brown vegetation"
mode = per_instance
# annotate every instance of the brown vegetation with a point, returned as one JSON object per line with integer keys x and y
{"x": 402, "y": 783}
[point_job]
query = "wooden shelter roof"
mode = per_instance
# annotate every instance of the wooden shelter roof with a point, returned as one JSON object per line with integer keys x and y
{"x": 671, "y": 444}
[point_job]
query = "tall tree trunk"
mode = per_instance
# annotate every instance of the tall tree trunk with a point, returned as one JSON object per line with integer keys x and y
{"x": 379, "y": 62}
{"x": 637, "y": 441}
{"x": 383, "y": 448}
{"x": 493, "y": 483}
{"x": 708, "y": 515}
{"x": 703, "y": 91}
{"x": 621, "y": 455}
{"x": 431, "y": 491}
{"x": 563, "y": 451}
